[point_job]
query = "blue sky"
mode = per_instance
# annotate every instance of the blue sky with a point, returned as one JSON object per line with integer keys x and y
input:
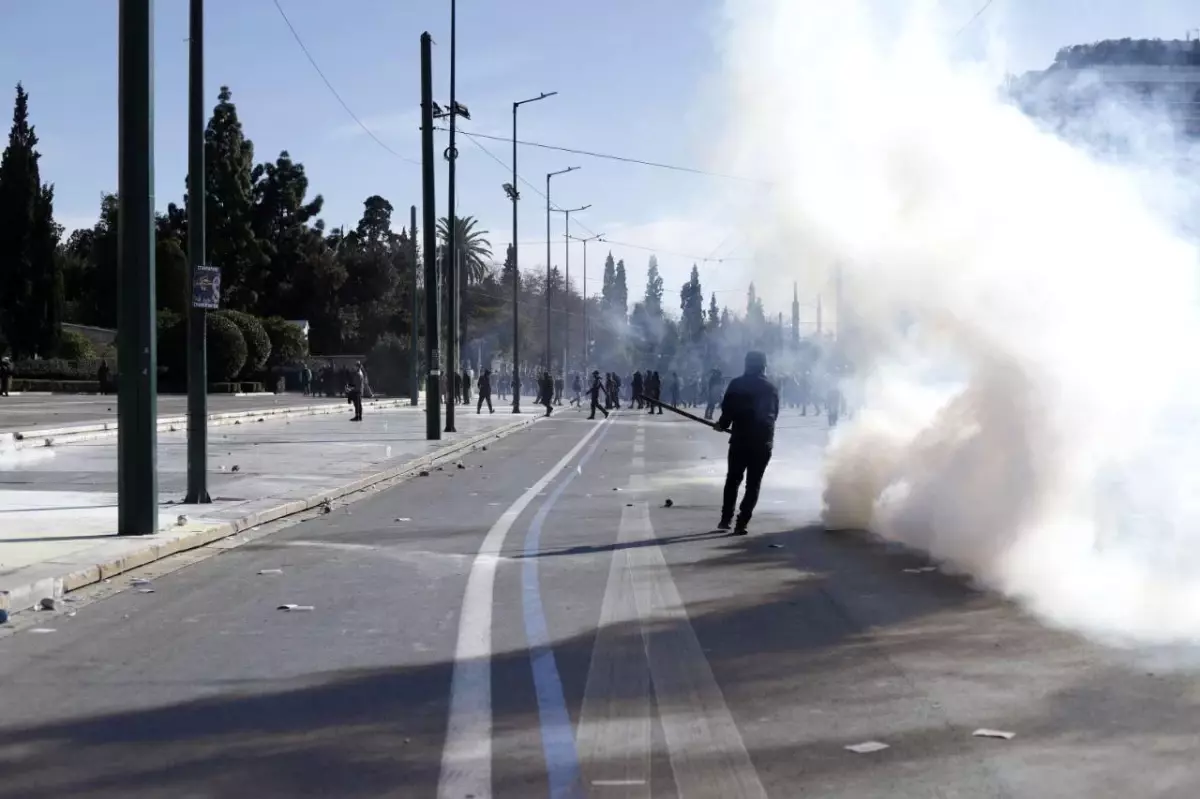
{"x": 633, "y": 78}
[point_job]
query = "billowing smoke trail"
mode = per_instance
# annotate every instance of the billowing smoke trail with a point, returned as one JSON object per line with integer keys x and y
{"x": 1023, "y": 318}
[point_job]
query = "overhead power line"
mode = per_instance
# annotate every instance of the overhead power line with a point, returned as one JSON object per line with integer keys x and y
{"x": 987, "y": 4}
{"x": 334, "y": 92}
{"x": 611, "y": 157}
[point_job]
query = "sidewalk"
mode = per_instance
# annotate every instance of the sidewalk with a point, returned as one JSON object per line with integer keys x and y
{"x": 58, "y": 505}
{"x": 29, "y": 422}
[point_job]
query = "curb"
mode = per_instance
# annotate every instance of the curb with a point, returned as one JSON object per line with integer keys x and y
{"x": 27, "y": 597}
{"x": 56, "y": 436}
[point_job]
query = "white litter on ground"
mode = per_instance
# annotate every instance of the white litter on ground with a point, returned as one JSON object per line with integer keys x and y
{"x": 42, "y": 630}
{"x": 270, "y": 571}
{"x": 296, "y": 607}
{"x": 986, "y": 733}
{"x": 867, "y": 747}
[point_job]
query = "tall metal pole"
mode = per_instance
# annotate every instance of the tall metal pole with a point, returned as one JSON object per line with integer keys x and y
{"x": 515, "y": 196}
{"x": 137, "y": 362}
{"x": 433, "y": 422}
{"x": 516, "y": 274}
{"x": 197, "y": 357}
{"x": 567, "y": 281}
{"x": 450, "y": 262}
{"x": 416, "y": 317}
{"x": 587, "y": 338}
{"x": 548, "y": 176}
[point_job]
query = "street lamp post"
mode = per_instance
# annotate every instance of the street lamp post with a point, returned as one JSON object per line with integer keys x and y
{"x": 548, "y": 176}
{"x": 587, "y": 337}
{"x": 514, "y": 195}
{"x": 567, "y": 283}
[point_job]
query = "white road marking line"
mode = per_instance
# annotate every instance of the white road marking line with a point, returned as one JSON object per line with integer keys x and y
{"x": 708, "y": 756}
{"x": 639, "y": 447}
{"x": 467, "y": 754}
{"x": 614, "y": 732}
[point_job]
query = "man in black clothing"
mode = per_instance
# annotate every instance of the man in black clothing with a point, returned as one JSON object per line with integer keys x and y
{"x": 466, "y": 387}
{"x": 595, "y": 389}
{"x": 485, "y": 392}
{"x": 638, "y": 388}
{"x": 655, "y": 392}
{"x": 750, "y": 408}
{"x": 547, "y": 392}
{"x": 714, "y": 392}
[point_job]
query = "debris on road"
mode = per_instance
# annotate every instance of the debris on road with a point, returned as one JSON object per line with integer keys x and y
{"x": 42, "y": 630}
{"x": 774, "y": 546}
{"x": 181, "y": 520}
{"x": 296, "y": 608}
{"x": 145, "y": 590}
{"x": 461, "y": 466}
{"x": 270, "y": 571}
{"x": 668, "y": 503}
{"x": 424, "y": 473}
{"x": 867, "y": 747}
{"x": 139, "y": 581}
{"x": 484, "y": 447}
{"x": 921, "y": 570}
{"x": 236, "y": 468}
{"x": 48, "y": 603}
{"x": 986, "y": 733}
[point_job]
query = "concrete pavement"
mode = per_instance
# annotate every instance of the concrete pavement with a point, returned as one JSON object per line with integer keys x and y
{"x": 58, "y": 505}
{"x": 28, "y": 411}
{"x": 628, "y": 651}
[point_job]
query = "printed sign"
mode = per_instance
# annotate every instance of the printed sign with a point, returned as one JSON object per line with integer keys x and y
{"x": 206, "y": 288}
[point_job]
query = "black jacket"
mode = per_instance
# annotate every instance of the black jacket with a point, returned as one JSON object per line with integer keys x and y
{"x": 750, "y": 407}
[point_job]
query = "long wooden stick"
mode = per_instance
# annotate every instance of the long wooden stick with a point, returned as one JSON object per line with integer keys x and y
{"x": 683, "y": 413}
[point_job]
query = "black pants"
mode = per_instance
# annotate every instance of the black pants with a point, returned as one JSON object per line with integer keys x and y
{"x": 596, "y": 406}
{"x": 751, "y": 463}
{"x": 356, "y": 398}
{"x": 482, "y": 399}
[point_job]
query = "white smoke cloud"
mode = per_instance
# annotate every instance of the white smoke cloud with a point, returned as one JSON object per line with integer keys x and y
{"x": 1026, "y": 325}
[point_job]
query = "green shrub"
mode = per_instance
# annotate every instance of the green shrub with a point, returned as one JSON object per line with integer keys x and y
{"x": 58, "y": 386}
{"x": 57, "y": 369}
{"x": 74, "y": 346}
{"x": 258, "y": 345}
{"x": 288, "y": 342}
{"x": 226, "y": 348}
{"x": 387, "y": 366}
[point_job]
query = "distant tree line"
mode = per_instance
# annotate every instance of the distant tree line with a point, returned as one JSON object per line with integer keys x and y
{"x": 280, "y": 261}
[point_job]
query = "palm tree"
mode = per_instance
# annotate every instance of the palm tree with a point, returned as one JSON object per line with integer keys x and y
{"x": 472, "y": 247}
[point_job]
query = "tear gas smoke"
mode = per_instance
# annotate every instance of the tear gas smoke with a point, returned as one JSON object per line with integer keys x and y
{"x": 1022, "y": 314}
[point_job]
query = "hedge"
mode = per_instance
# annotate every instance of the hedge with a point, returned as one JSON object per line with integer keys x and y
{"x": 387, "y": 366}
{"x": 258, "y": 344}
{"x": 58, "y": 386}
{"x": 74, "y": 346}
{"x": 225, "y": 346}
{"x": 58, "y": 369}
{"x": 288, "y": 343}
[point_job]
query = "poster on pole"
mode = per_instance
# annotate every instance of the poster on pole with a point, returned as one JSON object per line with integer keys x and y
{"x": 206, "y": 288}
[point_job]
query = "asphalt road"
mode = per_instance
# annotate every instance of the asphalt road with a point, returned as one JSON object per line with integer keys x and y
{"x": 29, "y": 411}
{"x": 603, "y": 645}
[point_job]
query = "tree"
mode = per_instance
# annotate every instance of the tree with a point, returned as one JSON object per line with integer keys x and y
{"x": 471, "y": 246}
{"x": 370, "y": 298}
{"x": 229, "y": 207}
{"x": 654, "y": 290}
{"x": 282, "y": 220}
{"x": 608, "y": 290}
{"x": 31, "y": 280}
{"x": 288, "y": 344}
{"x": 691, "y": 303}
{"x": 621, "y": 291}
{"x": 714, "y": 313}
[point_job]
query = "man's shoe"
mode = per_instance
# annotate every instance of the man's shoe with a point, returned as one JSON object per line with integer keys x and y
{"x": 724, "y": 524}
{"x": 740, "y": 528}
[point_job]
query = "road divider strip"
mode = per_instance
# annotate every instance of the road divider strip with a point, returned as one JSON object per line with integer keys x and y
{"x": 181, "y": 539}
